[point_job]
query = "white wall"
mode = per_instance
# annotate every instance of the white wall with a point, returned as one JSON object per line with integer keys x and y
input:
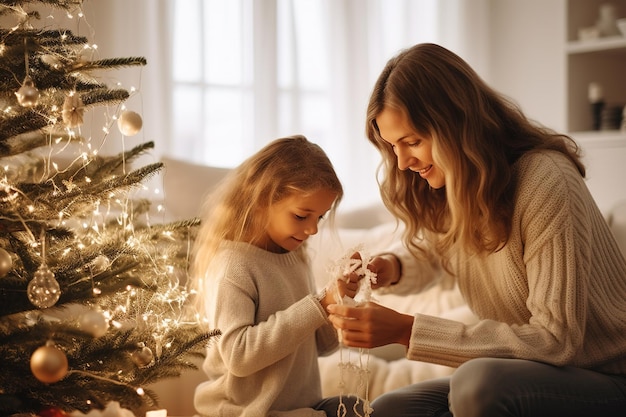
{"x": 527, "y": 58}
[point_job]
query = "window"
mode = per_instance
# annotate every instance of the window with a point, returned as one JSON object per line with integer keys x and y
{"x": 248, "y": 71}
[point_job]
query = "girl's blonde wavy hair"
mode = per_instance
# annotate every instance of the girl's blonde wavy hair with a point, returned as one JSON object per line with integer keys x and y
{"x": 477, "y": 136}
{"x": 238, "y": 209}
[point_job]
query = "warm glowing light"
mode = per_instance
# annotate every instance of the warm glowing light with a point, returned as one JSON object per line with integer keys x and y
{"x": 140, "y": 391}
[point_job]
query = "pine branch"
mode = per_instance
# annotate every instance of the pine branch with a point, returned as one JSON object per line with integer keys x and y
{"x": 60, "y": 4}
{"x": 110, "y": 63}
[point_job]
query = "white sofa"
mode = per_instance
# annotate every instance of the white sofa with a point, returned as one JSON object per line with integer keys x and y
{"x": 371, "y": 228}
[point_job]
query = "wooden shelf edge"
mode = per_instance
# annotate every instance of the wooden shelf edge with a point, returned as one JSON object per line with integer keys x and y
{"x": 596, "y": 45}
{"x": 600, "y": 139}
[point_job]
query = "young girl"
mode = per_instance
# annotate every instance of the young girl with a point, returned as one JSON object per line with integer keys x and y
{"x": 500, "y": 204}
{"x": 250, "y": 262}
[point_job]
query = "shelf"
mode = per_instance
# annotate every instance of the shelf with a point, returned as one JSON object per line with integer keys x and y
{"x": 600, "y": 139}
{"x": 616, "y": 43}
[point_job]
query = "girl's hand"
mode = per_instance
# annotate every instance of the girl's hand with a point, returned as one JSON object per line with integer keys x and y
{"x": 338, "y": 289}
{"x": 370, "y": 325}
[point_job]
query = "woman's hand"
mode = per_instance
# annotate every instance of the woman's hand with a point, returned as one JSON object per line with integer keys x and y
{"x": 370, "y": 325}
{"x": 386, "y": 267}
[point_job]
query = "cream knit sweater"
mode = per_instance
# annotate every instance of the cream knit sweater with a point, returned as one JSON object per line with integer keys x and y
{"x": 556, "y": 293}
{"x": 265, "y": 362}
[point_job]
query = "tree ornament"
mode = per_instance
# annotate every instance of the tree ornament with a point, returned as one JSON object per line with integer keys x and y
{"x": 94, "y": 322}
{"x": 344, "y": 267}
{"x": 100, "y": 264}
{"x": 52, "y": 412}
{"x": 73, "y": 110}
{"x": 43, "y": 290}
{"x": 48, "y": 363}
{"x": 143, "y": 356}
{"x": 129, "y": 123}
{"x": 27, "y": 95}
{"x": 6, "y": 262}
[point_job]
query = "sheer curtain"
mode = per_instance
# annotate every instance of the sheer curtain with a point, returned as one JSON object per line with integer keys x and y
{"x": 225, "y": 77}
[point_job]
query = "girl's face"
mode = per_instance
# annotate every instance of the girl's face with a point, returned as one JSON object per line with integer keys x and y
{"x": 293, "y": 219}
{"x": 413, "y": 150}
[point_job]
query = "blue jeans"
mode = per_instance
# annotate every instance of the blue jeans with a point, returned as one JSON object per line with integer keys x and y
{"x": 490, "y": 387}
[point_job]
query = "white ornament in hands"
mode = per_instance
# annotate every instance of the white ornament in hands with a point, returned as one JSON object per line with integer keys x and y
{"x": 342, "y": 268}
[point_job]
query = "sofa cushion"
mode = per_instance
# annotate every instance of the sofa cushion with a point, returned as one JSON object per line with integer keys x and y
{"x": 186, "y": 185}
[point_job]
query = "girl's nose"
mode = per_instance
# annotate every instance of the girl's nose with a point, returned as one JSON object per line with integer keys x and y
{"x": 311, "y": 228}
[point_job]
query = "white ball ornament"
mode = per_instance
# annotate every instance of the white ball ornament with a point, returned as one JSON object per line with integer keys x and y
{"x": 94, "y": 323}
{"x": 129, "y": 123}
{"x": 48, "y": 364}
{"x": 6, "y": 262}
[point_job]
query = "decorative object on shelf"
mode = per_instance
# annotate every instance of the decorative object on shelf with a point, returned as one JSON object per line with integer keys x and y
{"x": 596, "y": 98}
{"x": 611, "y": 118}
{"x": 607, "y": 20}
{"x": 621, "y": 25}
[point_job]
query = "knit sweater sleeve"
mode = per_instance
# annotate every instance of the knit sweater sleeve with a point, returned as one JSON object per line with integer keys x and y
{"x": 531, "y": 295}
{"x": 259, "y": 316}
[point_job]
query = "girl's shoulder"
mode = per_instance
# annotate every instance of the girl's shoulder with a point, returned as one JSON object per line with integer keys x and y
{"x": 242, "y": 253}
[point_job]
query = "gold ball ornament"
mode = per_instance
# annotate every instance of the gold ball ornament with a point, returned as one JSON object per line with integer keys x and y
{"x": 129, "y": 123}
{"x": 6, "y": 262}
{"x": 27, "y": 95}
{"x": 43, "y": 290}
{"x": 48, "y": 364}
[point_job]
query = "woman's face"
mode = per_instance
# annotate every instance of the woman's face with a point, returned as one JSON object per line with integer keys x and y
{"x": 413, "y": 151}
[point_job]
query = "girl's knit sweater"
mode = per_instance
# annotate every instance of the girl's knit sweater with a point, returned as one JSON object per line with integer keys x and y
{"x": 265, "y": 361}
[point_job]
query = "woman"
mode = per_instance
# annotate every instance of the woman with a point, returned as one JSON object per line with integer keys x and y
{"x": 498, "y": 204}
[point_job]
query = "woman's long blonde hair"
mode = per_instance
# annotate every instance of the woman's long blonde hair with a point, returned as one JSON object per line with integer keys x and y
{"x": 238, "y": 209}
{"x": 477, "y": 136}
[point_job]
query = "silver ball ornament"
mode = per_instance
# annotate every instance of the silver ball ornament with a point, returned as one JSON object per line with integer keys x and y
{"x": 129, "y": 123}
{"x": 43, "y": 290}
{"x": 27, "y": 95}
{"x": 6, "y": 262}
{"x": 48, "y": 364}
{"x": 143, "y": 357}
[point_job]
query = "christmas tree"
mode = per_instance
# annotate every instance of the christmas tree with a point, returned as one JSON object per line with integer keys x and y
{"x": 92, "y": 310}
